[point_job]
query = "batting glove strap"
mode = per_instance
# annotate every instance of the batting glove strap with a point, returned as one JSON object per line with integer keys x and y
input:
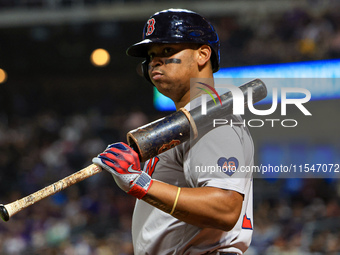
{"x": 140, "y": 186}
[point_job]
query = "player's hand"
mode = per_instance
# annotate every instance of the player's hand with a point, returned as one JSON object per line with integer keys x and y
{"x": 123, "y": 163}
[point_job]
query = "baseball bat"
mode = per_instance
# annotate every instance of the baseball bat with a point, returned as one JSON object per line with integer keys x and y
{"x": 6, "y": 211}
{"x": 148, "y": 141}
{"x": 168, "y": 132}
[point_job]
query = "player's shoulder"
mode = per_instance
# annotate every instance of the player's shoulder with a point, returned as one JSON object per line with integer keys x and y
{"x": 231, "y": 127}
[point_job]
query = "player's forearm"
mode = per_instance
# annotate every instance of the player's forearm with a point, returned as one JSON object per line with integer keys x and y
{"x": 205, "y": 207}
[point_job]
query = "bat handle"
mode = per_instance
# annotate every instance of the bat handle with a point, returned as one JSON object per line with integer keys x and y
{"x": 7, "y": 211}
{"x": 4, "y": 213}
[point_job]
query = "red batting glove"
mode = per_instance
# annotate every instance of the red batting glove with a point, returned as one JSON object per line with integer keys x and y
{"x": 123, "y": 163}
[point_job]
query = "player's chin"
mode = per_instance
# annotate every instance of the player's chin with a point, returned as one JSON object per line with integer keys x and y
{"x": 158, "y": 81}
{"x": 161, "y": 85}
{"x": 165, "y": 89}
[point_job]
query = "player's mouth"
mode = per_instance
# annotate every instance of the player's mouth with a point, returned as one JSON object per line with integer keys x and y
{"x": 156, "y": 75}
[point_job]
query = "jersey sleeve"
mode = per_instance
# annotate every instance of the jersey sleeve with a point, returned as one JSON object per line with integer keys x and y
{"x": 219, "y": 160}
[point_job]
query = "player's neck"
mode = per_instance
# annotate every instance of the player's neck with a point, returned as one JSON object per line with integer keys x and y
{"x": 193, "y": 92}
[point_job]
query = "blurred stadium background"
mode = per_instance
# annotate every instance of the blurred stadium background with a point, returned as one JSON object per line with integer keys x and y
{"x": 59, "y": 107}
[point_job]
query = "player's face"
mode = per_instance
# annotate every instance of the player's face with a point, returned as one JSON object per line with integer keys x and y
{"x": 171, "y": 67}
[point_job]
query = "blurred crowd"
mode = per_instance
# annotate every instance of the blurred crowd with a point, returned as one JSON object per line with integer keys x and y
{"x": 94, "y": 216}
{"x": 296, "y": 35}
{"x": 295, "y": 221}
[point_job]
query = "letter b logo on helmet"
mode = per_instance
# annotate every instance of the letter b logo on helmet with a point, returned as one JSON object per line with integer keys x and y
{"x": 178, "y": 26}
{"x": 150, "y": 26}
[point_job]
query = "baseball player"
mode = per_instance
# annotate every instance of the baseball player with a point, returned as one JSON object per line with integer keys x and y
{"x": 180, "y": 210}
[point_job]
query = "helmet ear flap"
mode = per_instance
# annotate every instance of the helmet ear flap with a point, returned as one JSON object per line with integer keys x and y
{"x": 145, "y": 70}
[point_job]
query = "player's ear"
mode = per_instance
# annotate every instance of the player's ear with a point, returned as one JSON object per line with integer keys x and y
{"x": 204, "y": 54}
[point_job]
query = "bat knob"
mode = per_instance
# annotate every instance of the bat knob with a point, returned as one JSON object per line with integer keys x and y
{"x": 3, "y": 213}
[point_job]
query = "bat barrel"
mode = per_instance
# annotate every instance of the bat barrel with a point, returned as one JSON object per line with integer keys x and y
{"x": 160, "y": 135}
{"x": 259, "y": 90}
{"x": 166, "y": 133}
{"x": 216, "y": 111}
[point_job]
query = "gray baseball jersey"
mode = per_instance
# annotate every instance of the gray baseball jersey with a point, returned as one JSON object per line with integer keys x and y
{"x": 199, "y": 164}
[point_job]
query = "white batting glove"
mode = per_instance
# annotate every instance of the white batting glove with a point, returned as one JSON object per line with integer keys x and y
{"x": 123, "y": 163}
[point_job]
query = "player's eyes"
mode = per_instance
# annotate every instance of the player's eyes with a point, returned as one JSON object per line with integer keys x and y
{"x": 168, "y": 51}
{"x": 151, "y": 56}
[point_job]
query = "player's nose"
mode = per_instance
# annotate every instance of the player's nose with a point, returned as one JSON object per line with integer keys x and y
{"x": 156, "y": 61}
